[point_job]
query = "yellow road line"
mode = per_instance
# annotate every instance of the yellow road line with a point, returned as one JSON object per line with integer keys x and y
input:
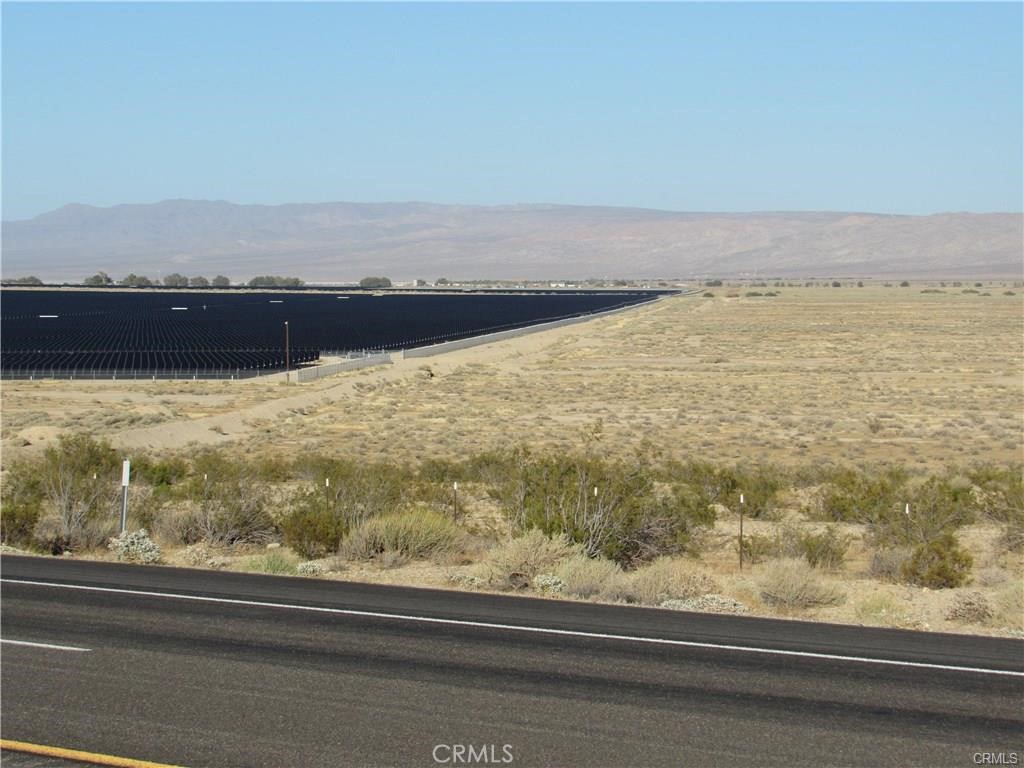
{"x": 77, "y": 754}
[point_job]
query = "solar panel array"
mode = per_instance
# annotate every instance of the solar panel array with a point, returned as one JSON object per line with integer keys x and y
{"x": 67, "y": 331}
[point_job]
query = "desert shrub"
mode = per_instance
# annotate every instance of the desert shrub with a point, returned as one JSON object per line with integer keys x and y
{"x": 159, "y": 471}
{"x": 311, "y": 527}
{"x": 861, "y": 495}
{"x": 938, "y": 506}
{"x": 79, "y": 481}
{"x": 548, "y": 584}
{"x": 274, "y": 561}
{"x": 664, "y": 579}
{"x": 997, "y": 493}
{"x": 52, "y": 533}
{"x": 826, "y": 549}
{"x": 887, "y": 564}
{"x": 757, "y": 547}
{"x": 227, "y": 505}
{"x": 617, "y": 509}
{"x": 792, "y": 583}
{"x": 203, "y": 556}
{"x": 517, "y": 562}
{"x": 938, "y": 564}
{"x": 21, "y": 501}
{"x": 273, "y": 468}
{"x": 415, "y": 534}
{"x": 587, "y": 576}
{"x": 135, "y": 547}
{"x": 718, "y": 484}
{"x": 310, "y": 568}
{"x": 357, "y": 490}
{"x": 970, "y": 608}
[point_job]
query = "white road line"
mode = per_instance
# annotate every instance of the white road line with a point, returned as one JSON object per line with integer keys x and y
{"x": 51, "y": 646}
{"x": 522, "y": 628}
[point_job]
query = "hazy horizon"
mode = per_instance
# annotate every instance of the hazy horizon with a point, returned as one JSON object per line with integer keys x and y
{"x": 517, "y": 204}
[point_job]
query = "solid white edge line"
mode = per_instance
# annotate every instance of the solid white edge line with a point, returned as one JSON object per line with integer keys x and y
{"x": 522, "y": 628}
{"x": 51, "y": 646}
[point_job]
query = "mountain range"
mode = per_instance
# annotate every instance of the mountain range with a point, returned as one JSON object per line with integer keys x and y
{"x": 342, "y": 242}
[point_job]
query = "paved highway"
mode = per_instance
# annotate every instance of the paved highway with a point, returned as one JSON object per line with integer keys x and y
{"x": 201, "y": 668}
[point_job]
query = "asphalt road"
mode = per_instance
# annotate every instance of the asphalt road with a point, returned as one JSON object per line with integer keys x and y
{"x": 325, "y": 674}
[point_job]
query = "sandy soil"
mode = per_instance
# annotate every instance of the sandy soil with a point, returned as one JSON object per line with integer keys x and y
{"x": 817, "y": 374}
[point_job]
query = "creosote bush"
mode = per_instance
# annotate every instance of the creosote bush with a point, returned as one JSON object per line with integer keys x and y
{"x": 312, "y": 528}
{"x": 938, "y": 564}
{"x": 825, "y": 549}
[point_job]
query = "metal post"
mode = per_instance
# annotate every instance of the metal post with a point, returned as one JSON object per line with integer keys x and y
{"x": 741, "y": 531}
{"x": 126, "y": 469}
{"x": 455, "y": 501}
{"x": 287, "y": 354}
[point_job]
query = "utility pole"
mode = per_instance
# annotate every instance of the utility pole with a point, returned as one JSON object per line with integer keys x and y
{"x": 287, "y": 355}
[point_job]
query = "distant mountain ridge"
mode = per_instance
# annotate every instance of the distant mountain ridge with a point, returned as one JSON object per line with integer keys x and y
{"x": 341, "y": 242}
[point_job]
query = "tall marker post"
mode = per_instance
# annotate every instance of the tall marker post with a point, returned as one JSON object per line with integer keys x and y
{"x": 287, "y": 355}
{"x": 455, "y": 501}
{"x": 741, "y": 531}
{"x": 126, "y": 470}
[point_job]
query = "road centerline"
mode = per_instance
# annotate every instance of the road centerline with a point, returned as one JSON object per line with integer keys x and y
{"x": 551, "y": 631}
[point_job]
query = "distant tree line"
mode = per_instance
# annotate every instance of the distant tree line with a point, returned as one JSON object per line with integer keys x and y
{"x": 173, "y": 280}
{"x": 275, "y": 281}
{"x": 375, "y": 282}
{"x": 29, "y": 280}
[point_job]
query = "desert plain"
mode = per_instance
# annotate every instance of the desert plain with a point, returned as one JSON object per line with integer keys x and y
{"x": 927, "y": 376}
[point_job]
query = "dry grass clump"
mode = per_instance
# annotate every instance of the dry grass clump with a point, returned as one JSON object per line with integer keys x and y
{"x": 275, "y": 561}
{"x": 794, "y": 584}
{"x": 664, "y": 579}
{"x": 395, "y": 538}
{"x": 1009, "y": 604}
{"x": 887, "y": 564}
{"x": 882, "y": 609}
{"x": 587, "y": 576}
{"x": 515, "y": 563}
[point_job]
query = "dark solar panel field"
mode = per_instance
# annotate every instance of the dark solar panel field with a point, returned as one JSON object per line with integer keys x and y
{"x": 168, "y": 333}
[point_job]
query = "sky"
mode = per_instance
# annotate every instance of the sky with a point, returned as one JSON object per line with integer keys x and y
{"x": 892, "y": 108}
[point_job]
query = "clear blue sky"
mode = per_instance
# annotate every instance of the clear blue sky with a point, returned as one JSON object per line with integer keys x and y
{"x": 894, "y": 108}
